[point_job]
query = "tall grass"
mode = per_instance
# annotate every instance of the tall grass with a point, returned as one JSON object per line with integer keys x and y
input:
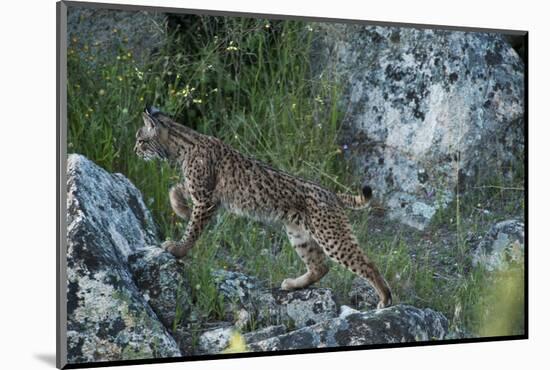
{"x": 249, "y": 83}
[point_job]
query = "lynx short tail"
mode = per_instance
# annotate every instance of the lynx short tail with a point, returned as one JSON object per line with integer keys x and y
{"x": 356, "y": 201}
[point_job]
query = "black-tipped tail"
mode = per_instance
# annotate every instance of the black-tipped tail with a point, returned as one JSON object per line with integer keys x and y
{"x": 356, "y": 201}
{"x": 367, "y": 191}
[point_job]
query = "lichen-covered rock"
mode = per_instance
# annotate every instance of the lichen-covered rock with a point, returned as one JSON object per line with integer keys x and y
{"x": 274, "y": 306}
{"x": 107, "y": 317}
{"x": 237, "y": 286}
{"x": 216, "y": 340}
{"x": 503, "y": 244}
{"x": 362, "y": 295}
{"x": 306, "y": 307}
{"x": 111, "y": 204}
{"x": 425, "y": 110}
{"x": 264, "y": 333}
{"x": 397, "y": 324}
{"x": 161, "y": 280}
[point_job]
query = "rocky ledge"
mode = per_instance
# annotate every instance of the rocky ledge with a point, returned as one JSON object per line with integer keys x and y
{"x": 124, "y": 292}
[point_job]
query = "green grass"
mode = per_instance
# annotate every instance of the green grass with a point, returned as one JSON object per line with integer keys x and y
{"x": 249, "y": 83}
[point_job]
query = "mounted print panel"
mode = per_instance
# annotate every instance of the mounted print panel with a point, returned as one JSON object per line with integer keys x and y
{"x": 239, "y": 185}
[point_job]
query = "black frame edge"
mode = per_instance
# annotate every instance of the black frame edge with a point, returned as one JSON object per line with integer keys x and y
{"x": 526, "y": 182}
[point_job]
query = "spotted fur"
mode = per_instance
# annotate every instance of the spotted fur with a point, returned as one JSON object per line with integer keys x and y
{"x": 216, "y": 175}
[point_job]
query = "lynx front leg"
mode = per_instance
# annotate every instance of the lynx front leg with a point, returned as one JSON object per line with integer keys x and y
{"x": 201, "y": 214}
{"x": 311, "y": 254}
{"x": 200, "y": 181}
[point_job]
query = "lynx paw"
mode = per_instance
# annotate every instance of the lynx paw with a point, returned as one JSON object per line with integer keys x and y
{"x": 175, "y": 248}
{"x": 288, "y": 284}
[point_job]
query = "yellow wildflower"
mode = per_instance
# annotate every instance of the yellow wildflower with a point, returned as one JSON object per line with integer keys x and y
{"x": 237, "y": 344}
{"x": 319, "y": 100}
{"x": 231, "y": 47}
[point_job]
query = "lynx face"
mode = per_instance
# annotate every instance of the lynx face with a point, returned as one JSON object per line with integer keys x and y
{"x": 150, "y": 139}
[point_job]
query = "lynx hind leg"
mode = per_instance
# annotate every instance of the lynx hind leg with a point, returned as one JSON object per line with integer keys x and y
{"x": 310, "y": 253}
{"x": 178, "y": 200}
{"x": 333, "y": 234}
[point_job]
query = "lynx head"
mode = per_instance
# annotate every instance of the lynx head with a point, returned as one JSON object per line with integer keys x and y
{"x": 152, "y": 138}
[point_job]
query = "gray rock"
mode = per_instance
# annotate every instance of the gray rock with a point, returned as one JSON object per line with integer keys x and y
{"x": 425, "y": 110}
{"x": 503, "y": 244}
{"x": 104, "y": 32}
{"x": 243, "y": 319}
{"x": 216, "y": 340}
{"x": 362, "y": 295}
{"x": 161, "y": 280}
{"x": 345, "y": 311}
{"x": 396, "y": 324}
{"x": 265, "y": 333}
{"x": 236, "y": 286}
{"x": 243, "y": 293}
{"x": 274, "y": 306}
{"x": 111, "y": 204}
{"x": 306, "y": 307}
{"x": 107, "y": 317}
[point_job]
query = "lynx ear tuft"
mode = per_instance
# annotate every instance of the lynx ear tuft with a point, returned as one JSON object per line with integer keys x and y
{"x": 151, "y": 117}
{"x": 152, "y": 111}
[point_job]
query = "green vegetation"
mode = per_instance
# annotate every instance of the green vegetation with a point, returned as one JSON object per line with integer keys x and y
{"x": 249, "y": 83}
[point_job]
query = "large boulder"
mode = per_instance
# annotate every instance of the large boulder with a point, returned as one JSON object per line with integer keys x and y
{"x": 426, "y": 111}
{"x": 107, "y": 316}
{"x": 397, "y": 324}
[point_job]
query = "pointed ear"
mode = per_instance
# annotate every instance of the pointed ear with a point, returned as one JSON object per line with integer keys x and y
{"x": 149, "y": 122}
